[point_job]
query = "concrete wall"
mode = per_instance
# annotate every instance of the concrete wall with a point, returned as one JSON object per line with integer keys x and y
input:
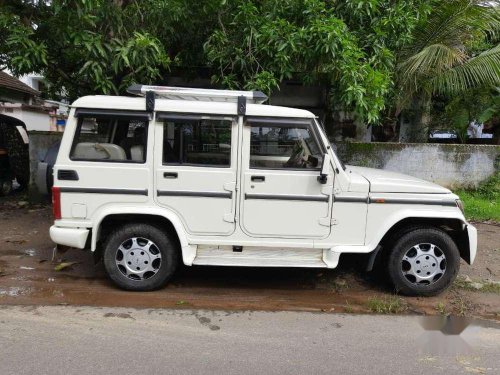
{"x": 40, "y": 142}
{"x": 34, "y": 120}
{"x": 448, "y": 165}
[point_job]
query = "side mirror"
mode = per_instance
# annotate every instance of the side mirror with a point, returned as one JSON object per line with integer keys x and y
{"x": 325, "y": 166}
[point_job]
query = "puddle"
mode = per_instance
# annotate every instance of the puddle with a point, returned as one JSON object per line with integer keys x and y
{"x": 14, "y": 291}
{"x": 30, "y": 252}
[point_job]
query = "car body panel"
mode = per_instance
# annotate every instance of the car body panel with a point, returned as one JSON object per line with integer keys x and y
{"x": 358, "y": 206}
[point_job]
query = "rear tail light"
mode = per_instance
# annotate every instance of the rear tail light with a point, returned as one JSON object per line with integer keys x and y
{"x": 56, "y": 202}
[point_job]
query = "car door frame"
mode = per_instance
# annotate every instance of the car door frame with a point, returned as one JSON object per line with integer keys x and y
{"x": 244, "y": 167}
{"x": 228, "y": 189}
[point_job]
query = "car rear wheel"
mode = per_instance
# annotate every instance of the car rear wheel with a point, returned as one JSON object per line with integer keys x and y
{"x": 423, "y": 262}
{"x": 140, "y": 257}
{"x": 5, "y": 187}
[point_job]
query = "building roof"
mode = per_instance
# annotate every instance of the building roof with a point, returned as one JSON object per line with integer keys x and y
{"x": 12, "y": 83}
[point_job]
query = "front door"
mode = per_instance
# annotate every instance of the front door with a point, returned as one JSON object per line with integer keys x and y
{"x": 281, "y": 195}
{"x": 195, "y": 173}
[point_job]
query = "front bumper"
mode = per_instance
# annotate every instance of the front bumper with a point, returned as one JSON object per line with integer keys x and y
{"x": 72, "y": 237}
{"x": 472, "y": 235}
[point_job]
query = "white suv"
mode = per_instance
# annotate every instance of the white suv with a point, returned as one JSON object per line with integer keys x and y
{"x": 214, "y": 177}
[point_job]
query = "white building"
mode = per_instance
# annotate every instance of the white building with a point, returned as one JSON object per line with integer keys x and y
{"x": 22, "y": 102}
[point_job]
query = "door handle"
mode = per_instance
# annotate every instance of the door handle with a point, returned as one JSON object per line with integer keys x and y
{"x": 258, "y": 178}
{"x": 169, "y": 174}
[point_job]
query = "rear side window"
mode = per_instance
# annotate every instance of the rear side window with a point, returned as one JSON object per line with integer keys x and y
{"x": 202, "y": 142}
{"x": 110, "y": 139}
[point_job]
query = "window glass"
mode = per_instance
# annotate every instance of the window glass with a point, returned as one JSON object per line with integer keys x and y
{"x": 275, "y": 146}
{"x": 197, "y": 142}
{"x": 108, "y": 139}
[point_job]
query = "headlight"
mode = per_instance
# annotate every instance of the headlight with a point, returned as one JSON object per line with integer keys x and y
{"x": 460, "y": 205}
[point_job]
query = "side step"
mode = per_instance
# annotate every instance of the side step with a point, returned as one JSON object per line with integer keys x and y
{"x": 251, "y": 256}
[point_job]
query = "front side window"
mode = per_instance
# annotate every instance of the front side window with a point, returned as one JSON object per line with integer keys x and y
{"x": 283, "y": 147}
{"x": 204, "y": 142}
{"x": 110, "y": 139}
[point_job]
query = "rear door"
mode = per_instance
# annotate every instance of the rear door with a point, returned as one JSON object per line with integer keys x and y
{"x": 195, "y": 170}
{"x": 282, "y": 196}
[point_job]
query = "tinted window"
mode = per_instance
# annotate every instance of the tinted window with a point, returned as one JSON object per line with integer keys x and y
{"x": 108, "y": 139}
{"x": 275, "y": 146}
{"x": 197, "y": 142}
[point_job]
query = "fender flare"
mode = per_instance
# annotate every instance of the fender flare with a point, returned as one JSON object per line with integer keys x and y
{"x": 400, "y": 215}
{"x": 188, "y": 251}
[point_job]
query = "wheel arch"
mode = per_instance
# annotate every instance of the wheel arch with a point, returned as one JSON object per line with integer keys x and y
{"x": 164, "y": 219}
{"x": 454, "y": 227}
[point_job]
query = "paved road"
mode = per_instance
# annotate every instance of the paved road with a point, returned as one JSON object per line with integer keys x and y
{"x": 89, "y": 340}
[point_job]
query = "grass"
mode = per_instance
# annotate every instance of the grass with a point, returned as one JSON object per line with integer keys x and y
{"x": 441, "y": 308}
{"x": 487, "y": 287}
{"x": 483, "y": 203}
{"x": 462, "y": 306}
{"x": 387, "y": 305}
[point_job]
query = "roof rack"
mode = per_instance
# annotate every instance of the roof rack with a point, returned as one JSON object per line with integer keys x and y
{"x": 186, "y": 93}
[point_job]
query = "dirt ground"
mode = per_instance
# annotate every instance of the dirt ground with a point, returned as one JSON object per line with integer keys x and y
{"x": 28, "y": 277}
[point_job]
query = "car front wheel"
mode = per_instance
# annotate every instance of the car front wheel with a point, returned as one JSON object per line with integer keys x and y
{"x": 423, "y": 262}
{"x": 140, "y": 257}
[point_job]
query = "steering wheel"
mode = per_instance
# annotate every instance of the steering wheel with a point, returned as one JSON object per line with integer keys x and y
{"x": 298, "y": 159}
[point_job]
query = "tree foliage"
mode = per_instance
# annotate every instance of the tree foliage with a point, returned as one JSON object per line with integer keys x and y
{"x": 453, "y": 50}
{"x": 348, "y": 46}
{"x": 81, "y": 46}
{"x": 364, "y": 52}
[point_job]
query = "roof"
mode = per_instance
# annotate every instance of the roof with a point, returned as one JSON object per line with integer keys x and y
{"x": 189, "y": 93}
{"x": 187, "y": 106}
{"x": 12, "y": 83}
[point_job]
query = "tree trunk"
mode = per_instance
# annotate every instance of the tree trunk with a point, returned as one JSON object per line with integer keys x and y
{"x": 414, "y": 124}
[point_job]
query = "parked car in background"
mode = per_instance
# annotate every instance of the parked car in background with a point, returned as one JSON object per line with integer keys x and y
{"x": 14, "y": 154}
{"x": 443, "y": 136}
{"x": 213, "y": 177}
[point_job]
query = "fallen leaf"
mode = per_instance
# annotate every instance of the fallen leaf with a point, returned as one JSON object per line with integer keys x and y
{"x": 62, "y": 266}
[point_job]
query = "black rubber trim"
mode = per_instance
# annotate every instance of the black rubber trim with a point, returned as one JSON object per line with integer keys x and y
{"x": 279, "y": 121}
{"x": 150, "y": 101}
{"x": 188, "y": 116}
{"x": 350, "y": 199}
{"x": 242, "y": 105}
{"x": 206, "y": 194}
{"x": 104, "y": 191}
{"x": 286, "y": 197}
{"x": 67, "y": 175}
{"x": 113, "y": 113}
{"x": 430, "y": 202}
{"x": 371, "y": 200}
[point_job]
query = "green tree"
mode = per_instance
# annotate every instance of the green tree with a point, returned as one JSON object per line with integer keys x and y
{"x": 81, "y": 46}
{"x": 348, "y": 46}
{"x": 453, "y": 50}
{"x": 101, "y": 46}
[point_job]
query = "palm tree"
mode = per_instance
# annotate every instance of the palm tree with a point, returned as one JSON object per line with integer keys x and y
{"x": 441, "y": 58}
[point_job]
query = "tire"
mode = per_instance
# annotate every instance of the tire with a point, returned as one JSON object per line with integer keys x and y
{"x": 136, "y": 264}
{"x": 423, "y": 262}
{"x": 5, "y": 187}
{"x": 18, "y": 153}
